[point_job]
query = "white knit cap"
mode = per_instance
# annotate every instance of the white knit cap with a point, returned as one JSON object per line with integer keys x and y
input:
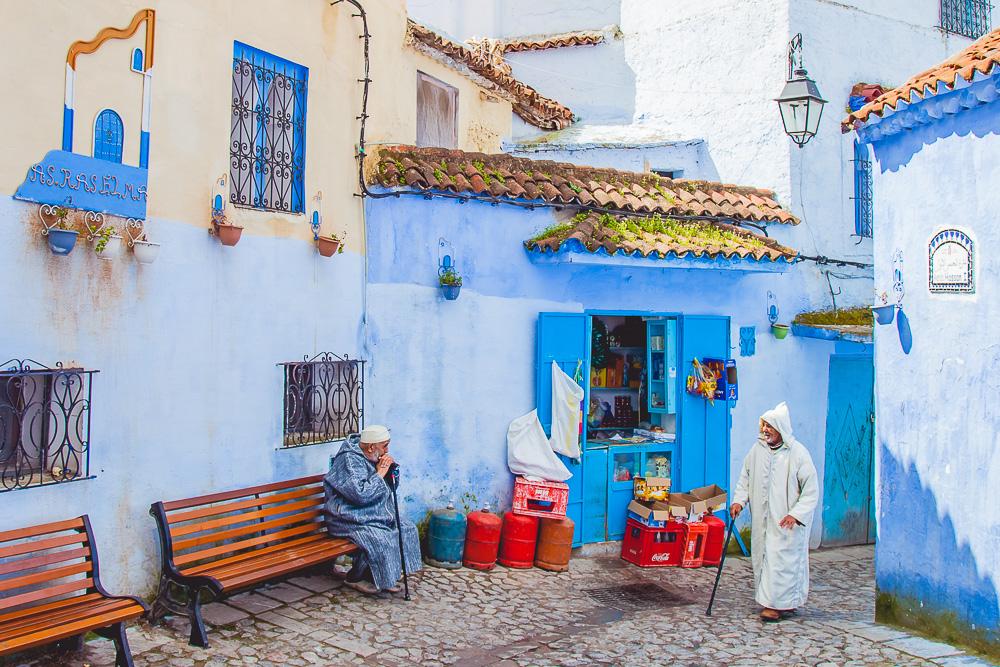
{"x": 372, "y": 434}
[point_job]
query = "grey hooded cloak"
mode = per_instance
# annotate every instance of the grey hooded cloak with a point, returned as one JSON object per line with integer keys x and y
{"x": 359, "y": 507}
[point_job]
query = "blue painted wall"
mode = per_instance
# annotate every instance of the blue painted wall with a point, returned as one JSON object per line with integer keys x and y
{"x": 188, "y": 399}
{"x": 448, "y": 377}
{"x": 938, "y": 554}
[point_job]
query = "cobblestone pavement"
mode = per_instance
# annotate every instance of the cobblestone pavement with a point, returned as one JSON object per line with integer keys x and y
{"x": 529, "y": 617}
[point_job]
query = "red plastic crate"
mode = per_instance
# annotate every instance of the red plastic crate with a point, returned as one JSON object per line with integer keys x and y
{"x": 653, "y": 547}
{"x": 541, "y": 499}
{"x": 716, "y": 540}
{"x": 695, "y": 539}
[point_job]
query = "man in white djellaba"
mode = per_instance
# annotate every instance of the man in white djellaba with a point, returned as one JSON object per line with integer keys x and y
{"x": 779, "y": 483}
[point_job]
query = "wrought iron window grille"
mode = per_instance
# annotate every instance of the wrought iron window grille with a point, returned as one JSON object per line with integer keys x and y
{"x": 267, "y": 133}
{"x": 971, "y": 18}
{"x": 863, "y": 201}
{"x": 44, "y": 424}
{"x": 323, "y": 400}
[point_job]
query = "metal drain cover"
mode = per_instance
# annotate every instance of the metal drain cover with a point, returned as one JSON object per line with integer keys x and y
{"x": 636, "y": 597}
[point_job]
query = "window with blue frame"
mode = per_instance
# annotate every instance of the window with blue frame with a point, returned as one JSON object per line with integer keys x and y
{"x": 108, "y": 136}
{"x": 971, "y": 18}
{"x": 267, "y": 148}
{"x": 862, "y": 191}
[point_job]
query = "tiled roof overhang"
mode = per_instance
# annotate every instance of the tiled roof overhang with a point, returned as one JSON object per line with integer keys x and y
{"x": 527, "y": 103}
{"x": 963, "y": 81}
{"x": 507, "y": 177}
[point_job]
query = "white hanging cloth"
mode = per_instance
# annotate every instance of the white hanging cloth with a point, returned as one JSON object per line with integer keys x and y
{"x": 567, "y": 413}
{"x": 529, "y": 453}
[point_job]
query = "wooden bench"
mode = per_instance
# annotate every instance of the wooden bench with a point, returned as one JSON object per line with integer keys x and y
{"x": 50, "y": 590}
{"x": 221, "y": 543}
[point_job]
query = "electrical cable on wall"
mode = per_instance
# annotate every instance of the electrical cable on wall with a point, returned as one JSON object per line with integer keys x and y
{"x": 496, "y": 201}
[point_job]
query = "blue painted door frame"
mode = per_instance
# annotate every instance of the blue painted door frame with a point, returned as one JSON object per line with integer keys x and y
{"x": 702, "y": 450}
{"x": 848, "y": 477}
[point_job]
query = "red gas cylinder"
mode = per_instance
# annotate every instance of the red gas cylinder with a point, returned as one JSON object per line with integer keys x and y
{"x": 715, "y": 541}
{"x": 517, "y": 540}
{"x": 482, "y": 540}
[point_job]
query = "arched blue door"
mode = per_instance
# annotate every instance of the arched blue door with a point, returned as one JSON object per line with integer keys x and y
{"x": 108, "y": 134}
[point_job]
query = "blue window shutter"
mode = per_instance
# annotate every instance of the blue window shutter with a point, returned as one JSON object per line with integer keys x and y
{"x": 108, "y": 136}
{"x": 562, "y": 337}
{"x": 704, "y": 428}
{"x": 863, "y": 201}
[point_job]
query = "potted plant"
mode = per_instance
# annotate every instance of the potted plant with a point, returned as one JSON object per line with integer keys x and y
{"x": 228, "y": 233}
{"x": 779, "y": 331}
{"x": 62, "y": 237}
{"x": 451, "y": 283}
{"x": 108, "y": 244}
{"x": 330, "y": 245}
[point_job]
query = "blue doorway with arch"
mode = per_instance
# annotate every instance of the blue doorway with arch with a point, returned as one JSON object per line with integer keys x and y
{"x": 109, "y": 135}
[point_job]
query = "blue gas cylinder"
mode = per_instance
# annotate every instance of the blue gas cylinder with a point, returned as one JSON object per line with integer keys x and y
{"x": 446, "y": 538}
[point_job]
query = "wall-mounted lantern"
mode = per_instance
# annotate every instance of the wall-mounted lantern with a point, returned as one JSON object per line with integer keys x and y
{"x": 800, "y": 102}
{"x": 327, "y": 246}
{"x": 228, "y": 233}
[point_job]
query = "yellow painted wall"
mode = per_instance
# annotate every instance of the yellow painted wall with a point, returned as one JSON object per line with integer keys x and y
{"x": 191, "y": 96}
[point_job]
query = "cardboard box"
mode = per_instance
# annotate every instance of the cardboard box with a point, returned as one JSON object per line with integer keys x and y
{"x": 686, "y": 506}
{"x": 714, "y": 496}
{"x": 650, "y": 488}
{"x": 655, "y": 514}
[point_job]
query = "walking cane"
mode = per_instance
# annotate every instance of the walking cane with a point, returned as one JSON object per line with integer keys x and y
{"x": 722, "y": 561}
{"x": 394, "y": 474}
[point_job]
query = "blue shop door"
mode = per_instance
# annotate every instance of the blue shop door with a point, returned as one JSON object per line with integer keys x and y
{"x": 704, "y": 428}
{"x": 848, "y": 477}
{"x": 562, "y": 337}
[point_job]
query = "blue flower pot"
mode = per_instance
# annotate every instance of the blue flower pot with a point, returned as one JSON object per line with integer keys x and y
{"x": 451, "y": 291}
{"x": 884, "y": 314}
{"x": 61, "y": 241}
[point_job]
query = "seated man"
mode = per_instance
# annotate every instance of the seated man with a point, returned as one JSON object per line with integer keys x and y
{"x": 359, "y": 506}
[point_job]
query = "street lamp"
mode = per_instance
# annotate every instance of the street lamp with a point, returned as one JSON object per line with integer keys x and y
{"x": 800, "y": 103}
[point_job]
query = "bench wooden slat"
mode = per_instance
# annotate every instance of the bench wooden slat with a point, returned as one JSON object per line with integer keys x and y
{"x": 51, "y": 574}
{"x": 41, "y": 594}
{"x": 36, "y": 622}
{"x": 180, "y": 517}
{"x": 256, "y": 553}
{"x": 64, "y": 630}
{"x": 245, "y": 544}
{"x": 43, "y": 529}
{"x": 240, "y": 493}
{"x": 42, "y": 545}
{"x": 220, "y": 571}
{"x": 257, "y": 576}
{"x": 31, "y": 563}
{"x": 243, "y": 517}
{"x": 257, "y": 527}
{"x": 49, "y": 606}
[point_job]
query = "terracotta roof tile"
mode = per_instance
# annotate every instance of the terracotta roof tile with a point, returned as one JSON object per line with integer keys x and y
{"x": 660, "y": 238}
{"x": 527, "y": 103}
{"x": 980, "y": 56}
{"x": 506, "y": 176}
{"x": 541, "y": 42}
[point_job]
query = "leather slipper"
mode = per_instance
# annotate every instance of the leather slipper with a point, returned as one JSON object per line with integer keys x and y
{"x": 770, "y": 616}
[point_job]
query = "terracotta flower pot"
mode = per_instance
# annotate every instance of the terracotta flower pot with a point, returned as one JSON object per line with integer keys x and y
{"x": 228, "y": 234}
{"x": 327, "y": 246}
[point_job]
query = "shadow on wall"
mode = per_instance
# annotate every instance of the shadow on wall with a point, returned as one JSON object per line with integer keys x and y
{"x": 925, "y": 579}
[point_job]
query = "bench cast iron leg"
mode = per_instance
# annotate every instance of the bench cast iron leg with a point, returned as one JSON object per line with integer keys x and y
{"x": 198, "y": 635}
{"x": 123, "y": 654}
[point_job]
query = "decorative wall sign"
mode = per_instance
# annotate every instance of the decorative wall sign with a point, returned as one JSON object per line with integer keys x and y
{"x": 87, "y": 182}
{"x": 748, "y": 341}
{"x": 951, "y": 263}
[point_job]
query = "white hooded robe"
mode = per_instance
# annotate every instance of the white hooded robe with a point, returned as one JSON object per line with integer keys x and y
{"x": 774, "y": 484}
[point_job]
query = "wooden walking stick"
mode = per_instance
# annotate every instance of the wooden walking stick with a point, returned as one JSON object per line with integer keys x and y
{"x": 394, "y": 473}
{"x": 722, "y": 561}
